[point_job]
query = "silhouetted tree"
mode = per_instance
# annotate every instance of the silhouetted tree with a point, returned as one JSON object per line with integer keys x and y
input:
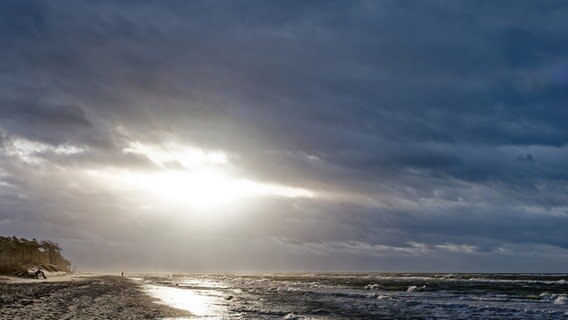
{"x": 32, "y": 247}
{"x": 16, "y": 253}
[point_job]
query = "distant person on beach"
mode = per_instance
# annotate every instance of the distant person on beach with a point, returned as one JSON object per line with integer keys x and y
{"x": 122, "y": 274}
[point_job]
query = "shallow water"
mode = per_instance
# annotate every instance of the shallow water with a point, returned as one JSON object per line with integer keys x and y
{"x": 364, "y": 296}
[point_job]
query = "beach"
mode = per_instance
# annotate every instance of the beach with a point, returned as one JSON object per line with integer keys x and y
{"x": 79, "y": 297}
{"x": 313, "y": 296}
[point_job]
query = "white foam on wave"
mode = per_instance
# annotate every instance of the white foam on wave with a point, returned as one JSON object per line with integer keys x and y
{"x": 415, "y": 288}
{"x": 373, "y": 286}
{"x": 295, "y": 316}
{"x": 380, "y": 296}
{"x": 558, "y": 299}
{"x": 284, "y": 289}
{"x": 561, "y": 300}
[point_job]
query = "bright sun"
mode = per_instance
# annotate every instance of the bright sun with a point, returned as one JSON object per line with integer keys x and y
{"x": 202, "y": 182}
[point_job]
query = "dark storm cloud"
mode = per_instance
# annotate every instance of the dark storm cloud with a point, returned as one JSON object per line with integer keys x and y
{"x": 441, "y": 122}
{"x": 53, "y": 115}
{"x": 43, "y": 121}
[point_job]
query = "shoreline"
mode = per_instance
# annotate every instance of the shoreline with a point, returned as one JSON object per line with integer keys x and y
{"x": 80, "y": 297}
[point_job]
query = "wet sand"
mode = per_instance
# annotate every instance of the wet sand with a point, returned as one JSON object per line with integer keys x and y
{"x": 98, "y": 297}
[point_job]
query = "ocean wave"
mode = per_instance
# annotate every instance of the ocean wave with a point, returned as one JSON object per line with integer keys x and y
{"x": 558, "y": 299}
{"x": 258, "y": 311}
{"x": 415, "y": 288}
{"x": 381, "y": 296}
{"x": 295, "y": 316}
{"x": 335, "y": 297}
{"x": 373, "y": 286}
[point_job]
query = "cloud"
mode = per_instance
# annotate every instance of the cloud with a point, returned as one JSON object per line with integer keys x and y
{"x": 440, "y": 124}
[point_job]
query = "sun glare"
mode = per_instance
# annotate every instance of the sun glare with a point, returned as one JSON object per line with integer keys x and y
{"x": 204, "y": 189}
{"x": 172, "y": 152}
{"x": 202, "y": 183}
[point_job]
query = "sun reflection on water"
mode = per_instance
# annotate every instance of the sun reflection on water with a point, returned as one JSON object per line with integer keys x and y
{"x": 197, "y": 302}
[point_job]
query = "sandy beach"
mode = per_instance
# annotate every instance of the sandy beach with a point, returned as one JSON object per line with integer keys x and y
{"x": 79, "y": 297}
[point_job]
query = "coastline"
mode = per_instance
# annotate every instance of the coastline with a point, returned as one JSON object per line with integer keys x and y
{"x": 80, "y": 297}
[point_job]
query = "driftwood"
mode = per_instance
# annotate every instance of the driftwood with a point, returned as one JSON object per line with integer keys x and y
{"x": 34, "y": 275}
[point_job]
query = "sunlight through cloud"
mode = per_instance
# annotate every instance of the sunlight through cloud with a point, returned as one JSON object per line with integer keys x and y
{"x": 203, "y": 189}
{"x": 32, "y": 152}
{"x": 172, "y": 152}
{"x": 203, "y": 181}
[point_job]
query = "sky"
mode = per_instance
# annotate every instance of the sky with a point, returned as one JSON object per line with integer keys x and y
{"x": 256, "y": 136}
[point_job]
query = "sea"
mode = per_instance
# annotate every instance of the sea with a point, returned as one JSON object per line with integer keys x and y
{"x": 362, "y": 295}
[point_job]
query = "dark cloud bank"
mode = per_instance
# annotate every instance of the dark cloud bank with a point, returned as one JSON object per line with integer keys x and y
{"x": 440, "y": 126}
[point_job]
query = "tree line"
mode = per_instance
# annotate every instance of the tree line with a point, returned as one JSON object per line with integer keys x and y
{"x": 17, "y": 254}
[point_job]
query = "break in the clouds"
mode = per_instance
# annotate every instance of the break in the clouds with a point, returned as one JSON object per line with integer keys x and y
{"x": 255, "y": 135}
